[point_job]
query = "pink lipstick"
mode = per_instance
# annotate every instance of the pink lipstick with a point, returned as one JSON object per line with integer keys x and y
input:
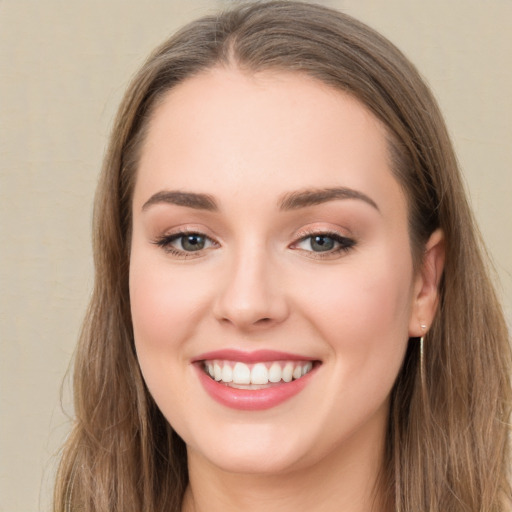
{"x": 253, "y": 380}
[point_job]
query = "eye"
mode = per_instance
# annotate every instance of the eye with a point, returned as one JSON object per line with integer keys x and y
{"x": 327, "y": 243}
{"x": 191, "y": 242}
{"x": 185, "y": 242}
{"x": 321, "y": 243}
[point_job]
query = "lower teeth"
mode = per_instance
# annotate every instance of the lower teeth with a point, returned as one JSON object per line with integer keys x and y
{"x": 249, "y": 386}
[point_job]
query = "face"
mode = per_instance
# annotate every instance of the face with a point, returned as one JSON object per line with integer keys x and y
{"x": 271, "y": 279}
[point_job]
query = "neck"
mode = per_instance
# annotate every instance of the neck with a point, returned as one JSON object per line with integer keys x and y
{"x": 347, "y": 479}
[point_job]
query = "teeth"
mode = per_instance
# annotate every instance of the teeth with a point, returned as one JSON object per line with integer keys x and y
{"x": 275, "y": 372}
{"x": 217, "y": 371}
{"x": 245, "y": 376}
{"x": 287, "y": 372}
{"x": 241, "y": 374}
{"x": 227, "y": 373}
{"x": 259, "y": 374}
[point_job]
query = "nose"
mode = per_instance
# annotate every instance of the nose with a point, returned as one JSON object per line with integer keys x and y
{"x": 251, "y": 296}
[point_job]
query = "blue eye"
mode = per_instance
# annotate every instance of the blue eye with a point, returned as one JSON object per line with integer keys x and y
{"x": 181, "y": 243}
{"x": 192, "y": 242}
{"x": 325, "y": 243}
{"x": 321, "y": 243}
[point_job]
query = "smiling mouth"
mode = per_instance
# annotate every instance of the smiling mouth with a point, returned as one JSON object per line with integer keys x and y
{"x": 238, "y": 375}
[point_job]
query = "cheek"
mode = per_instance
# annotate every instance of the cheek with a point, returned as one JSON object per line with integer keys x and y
{"x": 164, "y": 307}
{"x": 362, "y": 311}
{"x": 376, "y": 295}
{"x": 164, "y": 303}
{"x": 363, "y": 318}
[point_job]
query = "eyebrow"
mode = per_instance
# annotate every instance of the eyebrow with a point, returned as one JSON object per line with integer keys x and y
{"x": 290, "y": 201}
{"x": 311, "y": 197}
{"x": 188, "y": 199}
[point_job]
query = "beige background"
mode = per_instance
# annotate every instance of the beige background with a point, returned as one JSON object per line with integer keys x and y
{"x": 63, "y": 68}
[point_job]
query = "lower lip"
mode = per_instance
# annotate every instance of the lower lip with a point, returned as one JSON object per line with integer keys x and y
{"x": 252, "y": 399}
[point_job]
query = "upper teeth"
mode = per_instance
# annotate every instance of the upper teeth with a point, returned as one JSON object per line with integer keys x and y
{"x": 259, "y": 373}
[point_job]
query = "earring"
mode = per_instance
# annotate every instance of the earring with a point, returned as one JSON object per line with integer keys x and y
{"x": 422, "y": 364}
{"x": 422, "y": 358}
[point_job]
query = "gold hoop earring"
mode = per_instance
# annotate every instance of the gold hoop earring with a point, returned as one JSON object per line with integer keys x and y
{"x": 422, "y": 370}
{"x": 422, "y": 356}
{"x": 422, "y": 364}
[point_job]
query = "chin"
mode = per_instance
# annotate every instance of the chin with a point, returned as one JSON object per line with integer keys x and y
{"x": 246, "y": 449}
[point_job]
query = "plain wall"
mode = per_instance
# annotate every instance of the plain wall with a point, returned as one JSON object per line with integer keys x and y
{"x": 63, "y": 68}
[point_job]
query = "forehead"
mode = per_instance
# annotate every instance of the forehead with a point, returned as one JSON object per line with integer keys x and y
{"x": 226, "y": 131}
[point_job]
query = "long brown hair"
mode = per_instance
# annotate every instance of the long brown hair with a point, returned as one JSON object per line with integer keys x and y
{"x": 447, "y": 446}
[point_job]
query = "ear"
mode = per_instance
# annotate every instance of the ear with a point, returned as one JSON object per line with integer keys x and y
{"x": 426, "y": 285}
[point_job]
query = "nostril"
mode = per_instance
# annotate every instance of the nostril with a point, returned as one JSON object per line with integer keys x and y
{"x": 263, "y": 321}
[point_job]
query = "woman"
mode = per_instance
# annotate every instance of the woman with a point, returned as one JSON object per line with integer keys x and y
{"x": 291, "y": 307}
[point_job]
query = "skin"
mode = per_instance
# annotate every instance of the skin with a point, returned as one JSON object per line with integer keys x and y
{"x": 248, "y": 141}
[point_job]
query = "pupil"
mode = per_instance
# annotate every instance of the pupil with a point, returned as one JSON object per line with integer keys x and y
{"x": 193, "y": 242}
{"x": 322, "y": 243}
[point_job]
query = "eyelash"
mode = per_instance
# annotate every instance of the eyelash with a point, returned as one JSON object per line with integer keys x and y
{"x": 165, "y": 242}
{"x": 344, "y": 244}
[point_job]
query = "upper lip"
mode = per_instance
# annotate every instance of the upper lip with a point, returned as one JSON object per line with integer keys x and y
{"x": 255, "y": 356}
